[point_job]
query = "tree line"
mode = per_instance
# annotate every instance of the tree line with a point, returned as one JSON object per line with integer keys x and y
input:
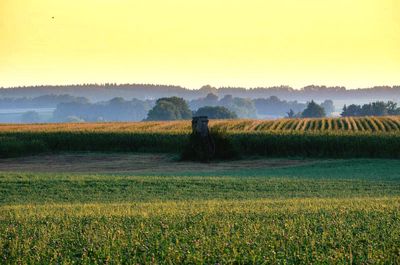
{"x": 104, "y": 92}
{"x": 176, "y": 108}
{"x": 45, "y": 101}
{"x": 69, "y": 108}
{"x": 378, "y": 108}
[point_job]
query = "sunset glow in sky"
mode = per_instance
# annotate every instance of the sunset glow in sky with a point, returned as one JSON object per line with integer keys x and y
{"x": 249, "y": 43}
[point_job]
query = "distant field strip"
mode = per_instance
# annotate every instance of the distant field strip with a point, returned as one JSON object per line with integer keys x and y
{"x": 19, "y": 189}
{"x": 326, "y": 137}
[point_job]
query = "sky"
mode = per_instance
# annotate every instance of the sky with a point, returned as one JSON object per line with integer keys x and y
{"x": 352, "y": 43}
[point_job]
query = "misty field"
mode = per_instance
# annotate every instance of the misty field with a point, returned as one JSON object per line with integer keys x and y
{"x": 368, "y": 137}
{"x": 285, "y": 212}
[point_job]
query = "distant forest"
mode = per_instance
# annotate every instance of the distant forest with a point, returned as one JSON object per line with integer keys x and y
{"x": 95, "y": 92}
{"x": 112, "y": 102}
{"x": 77, "y": 109}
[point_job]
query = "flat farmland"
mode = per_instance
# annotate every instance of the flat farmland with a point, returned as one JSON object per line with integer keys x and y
{"x": 155, "y": 209}
{"x": 363, "y": 137}
{"x": 301, "y": 191}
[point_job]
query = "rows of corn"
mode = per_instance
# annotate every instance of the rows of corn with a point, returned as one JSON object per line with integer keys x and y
{"x": 349, "y": 124}
{"x": 326, "y": 137}
{"x": 300, "y": 231}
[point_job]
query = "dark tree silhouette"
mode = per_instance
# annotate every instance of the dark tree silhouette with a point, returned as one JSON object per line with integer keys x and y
{"x": 313, "y": 110}
{"x": 291, "y": 114}
{"x": 378, "y": 108}
{"x": 217, "y": 112}
{"x": 172, "y": 108}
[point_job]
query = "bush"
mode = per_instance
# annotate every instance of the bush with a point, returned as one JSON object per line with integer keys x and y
{"x": 14, "y": 147}
{"x": 222, "y": 148}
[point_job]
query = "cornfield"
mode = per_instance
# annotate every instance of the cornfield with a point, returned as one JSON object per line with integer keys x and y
{"x": 300, "y": 231}
{"x": 388, "y": 124}
{"x": 327, "y": 137}
{"x": 323, "y": 212}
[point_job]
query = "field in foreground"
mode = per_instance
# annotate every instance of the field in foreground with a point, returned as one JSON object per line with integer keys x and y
{"x": 255, "y": 231}
{"x": 367, "y": 137}
{"x": 279, "y": 211}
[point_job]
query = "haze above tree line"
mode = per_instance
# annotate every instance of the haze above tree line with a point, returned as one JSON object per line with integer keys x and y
{"x": 101, "y": 92}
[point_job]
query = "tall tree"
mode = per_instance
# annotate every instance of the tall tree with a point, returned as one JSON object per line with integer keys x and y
{"x": 328, "y": 107}
{"x": 217, "y": 112}
{"x": 351, "y": 110}
{"x": 313, "y": 110}
{"x": 172, "y": 108}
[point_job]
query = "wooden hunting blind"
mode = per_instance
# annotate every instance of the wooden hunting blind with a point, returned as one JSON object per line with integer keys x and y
{"x": 202, "y": 142}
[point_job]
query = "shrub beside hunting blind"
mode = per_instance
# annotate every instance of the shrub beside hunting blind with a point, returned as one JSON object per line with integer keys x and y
{"x": 202, "y": 143}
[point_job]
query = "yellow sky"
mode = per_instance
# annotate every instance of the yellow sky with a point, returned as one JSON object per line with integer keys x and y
{"x": 248, "y": 43}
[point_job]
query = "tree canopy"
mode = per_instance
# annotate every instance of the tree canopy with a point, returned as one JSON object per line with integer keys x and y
{"x": 378, "y": 108}
{"x": 313, "y": 110}
{"x": 217, "y": 112}
{"x": 167, "y": 109}
{"x": 328, "y": 107}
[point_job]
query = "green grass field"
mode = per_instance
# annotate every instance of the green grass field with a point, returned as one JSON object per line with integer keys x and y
{"x": 320, "y": 212}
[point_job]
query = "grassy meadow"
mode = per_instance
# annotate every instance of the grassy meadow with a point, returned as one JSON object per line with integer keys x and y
{"x": 319, "y": 211}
